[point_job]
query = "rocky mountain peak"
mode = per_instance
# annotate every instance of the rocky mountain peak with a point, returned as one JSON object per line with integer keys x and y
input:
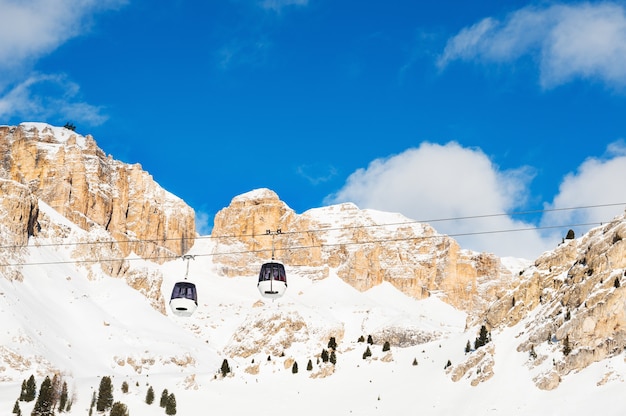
{"x": 71, "y": 174}
{"x": 366, "y": 247}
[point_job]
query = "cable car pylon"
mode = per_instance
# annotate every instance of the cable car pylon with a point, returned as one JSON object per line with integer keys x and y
{"x": 272, "y": 277}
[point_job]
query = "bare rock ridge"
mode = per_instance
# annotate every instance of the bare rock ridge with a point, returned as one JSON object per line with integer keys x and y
{"x": 366, "y": 252}
{"x": 577, "y": 295}
{"x": 71, "y": 174}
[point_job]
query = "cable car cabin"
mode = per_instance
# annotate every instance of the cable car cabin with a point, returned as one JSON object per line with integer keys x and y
{"x": 184, "y": 300}
{"x": 272, "y": 280}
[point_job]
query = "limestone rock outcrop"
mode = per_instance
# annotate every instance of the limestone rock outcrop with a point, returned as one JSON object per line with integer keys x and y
{"x": 576, "y": 297}
{"x": 19, "y": 209}
{"x": 71, "y": 174}
{"x": 365, "y": 247}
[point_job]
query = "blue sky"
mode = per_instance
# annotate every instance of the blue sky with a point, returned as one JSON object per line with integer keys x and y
{"x": 436, "y": 110}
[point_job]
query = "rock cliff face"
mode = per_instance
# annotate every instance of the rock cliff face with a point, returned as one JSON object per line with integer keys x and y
{"x": 576, "y": 298}
{"x": 19, "y": 211}
{"x": 361, "y": 244}
{"x": 72, "y": 175}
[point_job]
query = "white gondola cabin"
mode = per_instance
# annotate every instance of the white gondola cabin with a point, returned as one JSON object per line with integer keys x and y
{"x": 184, "y": 300}
{"x": 272, "y": 280}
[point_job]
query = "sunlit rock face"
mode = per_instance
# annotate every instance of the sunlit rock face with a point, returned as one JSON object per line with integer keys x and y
{"x": 576, "y": 298}
{"x": 19, "y": 210}
{"x": 361, "y": 244}
{"x": 71, "y": 174}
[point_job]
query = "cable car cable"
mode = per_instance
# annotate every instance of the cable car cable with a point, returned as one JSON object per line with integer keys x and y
{"x": 162, "y": 240}
{"x": 382, "y": 240}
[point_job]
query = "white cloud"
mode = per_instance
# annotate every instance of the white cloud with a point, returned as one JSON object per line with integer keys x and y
{"x": 441, "y": 184}
{"x": 435, "y": 182}
{"x": 278, "y": 5}
{"x": 246, "y": 53}
{"x": 568, "y": 41}
{"x": 31, "y": 100}
{"x": 317, "y": 173}
{"x": 33, "y": 28}
{"x": 597, "y": 181}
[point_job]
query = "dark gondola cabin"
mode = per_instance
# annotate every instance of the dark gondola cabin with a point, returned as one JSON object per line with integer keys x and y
{"x": 272, "y": 280}
{"x": 184, "y": 300}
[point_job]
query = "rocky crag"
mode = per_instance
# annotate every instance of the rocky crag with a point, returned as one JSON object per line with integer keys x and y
{"x": 366, "y": 247}
{"x": 92, "y": 190}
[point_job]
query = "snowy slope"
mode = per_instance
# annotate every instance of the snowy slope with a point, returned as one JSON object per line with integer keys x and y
{"x": 58, "y": 319}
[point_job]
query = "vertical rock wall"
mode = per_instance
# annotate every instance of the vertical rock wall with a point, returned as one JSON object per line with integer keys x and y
{"x": 71, "y": 174}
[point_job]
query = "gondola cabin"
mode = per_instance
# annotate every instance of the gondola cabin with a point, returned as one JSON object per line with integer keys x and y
{"x": 272, "y": 280}
{"x": 184, "y": 300}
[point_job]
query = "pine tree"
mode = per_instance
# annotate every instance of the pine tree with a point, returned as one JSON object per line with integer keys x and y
{"x": 483, "y": 337}
{"x": 370, "y": 340}
{"x": 63, "y": 398}
{"x": 119, "y": 409}
{"x": 150, "y": 395}
{"x": 616, "y": 283}
{"x": 105, "y": 394}
{"x": 333, "y": 358}
{"x": 332, "y": 343}
{"x": 16, "y": 408}
{"x": 170, "y": 407}
{"x": 309, "y": 365}
{"x": 468, "y": 347}
{"x": 566, "y": 347}
{"x": 414, "y": 361}
{"x": 532, "y": 352}
{"x": 324, "y": 356}
{"x": 448, "y": 364}
{"x": 124, "y": 387}
{"x": 31, "y": 389}
{"x": 164, "y": 397}
{"x": 570, "y": 235}
{"x": 44, "y": 405}
{"x": 57, "y": 386}
{"x": 361, "y": 339}
{"x": 386, "y": 346}
{"x": 294, "y": 367}
{"x": 225, "y": 368}
{"x": 367, "y": 353}
{"x": 23, "y": 391}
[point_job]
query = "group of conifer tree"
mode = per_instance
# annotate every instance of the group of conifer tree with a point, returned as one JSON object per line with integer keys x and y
{"x": 53, "y": 397}
{"x": 104, "y": 400}
{"x": 370, "y": 341}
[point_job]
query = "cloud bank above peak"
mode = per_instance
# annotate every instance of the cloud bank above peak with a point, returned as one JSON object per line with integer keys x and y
{"x": 462, "y": 193}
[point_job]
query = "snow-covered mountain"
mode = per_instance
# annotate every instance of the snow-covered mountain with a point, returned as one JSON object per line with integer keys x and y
{"x": 65, "y": 310}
